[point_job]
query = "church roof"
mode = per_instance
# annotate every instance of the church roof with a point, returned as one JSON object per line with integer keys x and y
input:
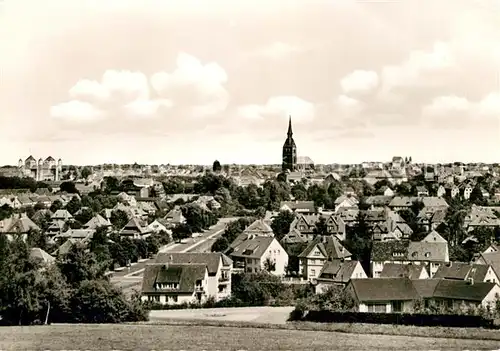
{"x": 30, "y": 158}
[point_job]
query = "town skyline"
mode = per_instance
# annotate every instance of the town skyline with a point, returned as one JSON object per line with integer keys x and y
{"x": 158, "y": 82}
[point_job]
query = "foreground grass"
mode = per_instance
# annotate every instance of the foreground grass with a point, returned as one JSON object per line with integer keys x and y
{"x": 358, "y": 328}
{"x": 195, "y": 337}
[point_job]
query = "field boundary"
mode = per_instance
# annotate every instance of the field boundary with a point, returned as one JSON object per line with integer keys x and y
{"x": 348, "y": 328}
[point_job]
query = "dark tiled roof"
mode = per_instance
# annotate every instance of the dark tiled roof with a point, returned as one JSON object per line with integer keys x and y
{"x": 389, "y": 250}
{"x": 384, "y": 289}
{"x": 185, "y": 275}
{"x": 299, "y": 205}
{"x": 453, "y": 289}
{"x": 329, "y": 246}
{"x": 462, "y": 271}
{"x": 249, "y": 245}
{"x": 395, "y": 270}
{"x": 427, "y": 251}
{"x": 210, "y": 259}
{"x": 338, "y": 271}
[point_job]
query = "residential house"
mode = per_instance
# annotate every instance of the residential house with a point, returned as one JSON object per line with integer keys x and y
{"x": 294, "y": 236}
{"x": 61, "y": 215}
{"x": 135, "y": 229}
{"x": 305, "y": 207}
{"x": 17, "y": 224}
{"x": 260, "y": 228}
{"x": 401, "y": 203}
{"x": 387, "y": 192}
{"x": 317, "y": 253}
{"x": 76, "y": 234}
{"x": 422, "y": 191}
{"x": 457, "y": 293}
{"x": 383, "y": 295}
{"x": 219, "y": 268}
{"x": 338, "y": 272}
{"x": 41, "y": 257}
{"x": 467, "y": 271}
{"x": 175, "y": 283}
{"x": 467, "y": 190}
{"x": 398, "y": 270}
{"x": 396, "y": 295}
{"x": 441, "y": 191}
{"x": 431, "y": 218}
{"x": 431, "y": 252}
{"x": 160, "y": 225}
{"x": 434, "y": 202}
{"x": 254, "y": 253}
{"x": 346, "y": 202}
{"x": 397, "y": 163}
{"x": 378, "y": 201}
{"x": 175, "y": 217}
{"x": 452, "y": 190}
{"x": 97, "y": 222}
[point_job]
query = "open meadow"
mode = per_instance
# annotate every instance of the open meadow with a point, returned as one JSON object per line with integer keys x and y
{"x": 168, "y": 337}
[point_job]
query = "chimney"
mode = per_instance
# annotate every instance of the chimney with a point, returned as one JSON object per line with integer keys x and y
{"x": 470, "y": 280}
{"x": 171, "y": 258}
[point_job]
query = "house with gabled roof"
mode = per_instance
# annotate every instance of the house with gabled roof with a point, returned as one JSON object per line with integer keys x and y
{"x": 135, "y": 229}
{"x": 319, "y": 251}
{"x": 175, "y": 216}
{"x": 399, "y": 203}
{"x": 219, "y": 268}
{"x": 467, "y": 272}
{"x": 42, "y": 257}
{"x": 259, "y": 227}
{"x": 76, "y": 234}
{"x": 160, "y": 225}
{"x": 456, "y": 294}
{"x": 376, "y": 201}
{"x": 338, "y": 272}
{"x": 306, "y": 207}
{"x": 383, "y": 295}
{"x": 97, "y": 222}
{"x": 168, "y": 283}
{"x": 346, "y": 202}
{"x": 431, "y": 252}
{"x": 398, "y": 295}
{"x": 253, "y": 253}
{"x": 398, "y": 270}
{"x": 294, "y": 236}
{"x": 61, "y": 215}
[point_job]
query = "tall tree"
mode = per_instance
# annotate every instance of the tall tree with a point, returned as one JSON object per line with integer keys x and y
{"x": 216, "y": 167}
{"x": 281, "y": 224}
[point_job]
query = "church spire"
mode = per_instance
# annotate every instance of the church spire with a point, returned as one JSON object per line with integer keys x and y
{"x": 290, "y": 127}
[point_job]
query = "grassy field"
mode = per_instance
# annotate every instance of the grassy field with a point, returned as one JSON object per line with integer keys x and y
{"x": 169, "y": 337}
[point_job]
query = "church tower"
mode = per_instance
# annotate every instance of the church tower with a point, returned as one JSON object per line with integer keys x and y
{"x": 289, "y": 151}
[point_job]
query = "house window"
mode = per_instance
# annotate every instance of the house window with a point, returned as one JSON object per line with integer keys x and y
{"x": 155, "y": 298}
{"x": 397, "y": 306}
{"x": 377, "y": 308}
{"x": 175, "y": 298}
{"x": 427, "y": 254}
{"x": 313, "y": 272}
{"x": 316, "y": 253}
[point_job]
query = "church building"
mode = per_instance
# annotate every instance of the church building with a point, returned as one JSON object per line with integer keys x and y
{"x": 289, "y": 151}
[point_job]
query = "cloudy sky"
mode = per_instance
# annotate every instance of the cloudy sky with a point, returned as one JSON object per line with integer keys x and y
{"x": 185, "y": 81}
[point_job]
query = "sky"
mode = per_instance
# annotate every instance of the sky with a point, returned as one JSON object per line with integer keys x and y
{"x": 191, "y": 81}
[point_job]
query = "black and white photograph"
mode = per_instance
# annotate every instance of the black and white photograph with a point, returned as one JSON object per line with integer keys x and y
{"x": 249, "y": 175}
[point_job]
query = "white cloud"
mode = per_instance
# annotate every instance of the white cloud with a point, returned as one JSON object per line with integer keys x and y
{"x": 147, "y": 108}
{"x": 347, "y": 102}
{"x": 359, "y": 81}
{"x": 277, "y": 50}
{"x": 283, "y": 106}
{"x": 115, "y": 86}
{"x": 416, "y": 69}
{"x": 444, "y": 105}
{"x": 459, "y": 110}
{"x": 194, "y": 84}
{"x": 75, "y": 110}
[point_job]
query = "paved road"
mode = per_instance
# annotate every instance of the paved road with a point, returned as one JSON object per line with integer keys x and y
{"x": 130, "y": 279}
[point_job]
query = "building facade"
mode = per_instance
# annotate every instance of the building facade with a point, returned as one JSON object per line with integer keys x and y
{"x": 40, "y": 170}
{"x": 289, "y": 151}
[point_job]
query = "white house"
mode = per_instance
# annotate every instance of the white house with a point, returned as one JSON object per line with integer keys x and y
{"x": 255, "y": 253}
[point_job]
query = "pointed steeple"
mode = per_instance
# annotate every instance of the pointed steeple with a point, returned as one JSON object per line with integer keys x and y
{"x": 290, "y": 133}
